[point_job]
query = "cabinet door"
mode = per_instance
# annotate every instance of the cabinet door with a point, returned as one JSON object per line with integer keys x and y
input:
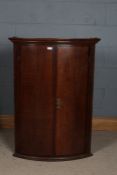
{"x": 72, "y": 89}
{"x": 34, "y": 98}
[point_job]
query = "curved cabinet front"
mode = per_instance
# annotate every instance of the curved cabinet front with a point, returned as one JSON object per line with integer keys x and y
{"x": 53, "y": 97}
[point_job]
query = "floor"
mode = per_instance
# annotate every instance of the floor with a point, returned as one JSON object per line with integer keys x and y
{"x": 103, "y": 162}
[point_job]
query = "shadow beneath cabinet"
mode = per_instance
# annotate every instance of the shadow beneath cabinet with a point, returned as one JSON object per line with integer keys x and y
{"x": 7, "y": 138}
{"x": 103, "y": 139}
{"x": 100, "y": 139}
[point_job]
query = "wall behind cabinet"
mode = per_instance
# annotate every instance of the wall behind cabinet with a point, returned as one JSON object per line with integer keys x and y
{"x": 63, "y": 18}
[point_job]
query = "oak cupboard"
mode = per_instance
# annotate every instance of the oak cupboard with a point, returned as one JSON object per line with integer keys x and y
{"x": 53, "y": 81}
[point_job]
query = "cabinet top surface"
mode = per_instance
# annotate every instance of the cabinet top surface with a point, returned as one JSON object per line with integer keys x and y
{"x": 55, "y": 40}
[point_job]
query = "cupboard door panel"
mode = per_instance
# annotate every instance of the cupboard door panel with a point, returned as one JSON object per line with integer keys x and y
{"x": 34, "y": 100}
{"x": 72, "y": 89}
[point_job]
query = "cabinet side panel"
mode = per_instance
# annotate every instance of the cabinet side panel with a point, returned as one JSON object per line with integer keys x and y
{"x": 34, "y": 100}
{"x": 72, "y": 90}
{"x": 90, "y": 97}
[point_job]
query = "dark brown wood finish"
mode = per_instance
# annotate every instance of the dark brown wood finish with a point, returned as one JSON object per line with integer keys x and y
{"x": 90, "y": 98}
{"x": 71, "y": 116}
{"x": 53, "y": 97}
{"x": 34, "y": 101}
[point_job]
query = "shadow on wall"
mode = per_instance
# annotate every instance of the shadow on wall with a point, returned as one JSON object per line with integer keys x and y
{"x": 6, "y": 80}
{"x": 7, "y": 138}
{"x": 103, "y": 139}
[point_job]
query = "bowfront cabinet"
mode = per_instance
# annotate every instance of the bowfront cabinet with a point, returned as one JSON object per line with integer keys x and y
{"x": 53, "y": 81}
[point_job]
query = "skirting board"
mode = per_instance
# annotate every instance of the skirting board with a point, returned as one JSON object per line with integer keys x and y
{"x": 99, "y": 124}
{"x": 6, "y": 121}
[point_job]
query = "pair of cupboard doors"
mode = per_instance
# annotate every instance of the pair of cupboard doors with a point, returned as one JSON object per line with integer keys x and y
{"x": 53, "y": 81}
